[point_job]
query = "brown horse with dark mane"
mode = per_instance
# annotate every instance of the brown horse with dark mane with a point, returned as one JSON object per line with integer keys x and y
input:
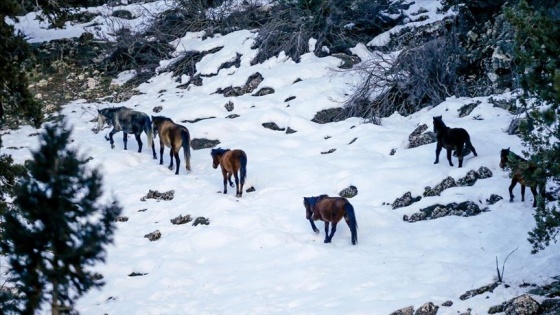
{"x": 518, "y": 166}
{"x": 233, "y": 162}
{"x": 173, "y": 136}
{"x": 452, "y": 139}
{"x": 330, "y": 210}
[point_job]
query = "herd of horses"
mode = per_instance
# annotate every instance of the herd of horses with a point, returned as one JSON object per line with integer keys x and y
{"x": 330, "y": 210}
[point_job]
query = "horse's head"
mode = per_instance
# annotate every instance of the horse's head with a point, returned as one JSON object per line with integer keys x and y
{"x": 504, "y": 156}
{"x": 102, "y": 119}
{"x": 216, "y": 155}
{"x": 307, "y": 205}
{"x": 438, "y": 123}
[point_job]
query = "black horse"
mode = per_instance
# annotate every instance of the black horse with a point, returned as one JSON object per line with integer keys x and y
{"x": 452, "y": 139}
{"x": 128, "y": 121}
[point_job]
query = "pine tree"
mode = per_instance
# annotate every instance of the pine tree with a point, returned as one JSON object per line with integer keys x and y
{"x": 537, "y": 42}
{"x": 58, "y": 229}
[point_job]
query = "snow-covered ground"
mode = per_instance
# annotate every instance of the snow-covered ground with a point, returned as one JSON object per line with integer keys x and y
{"x": 259, "y": 255}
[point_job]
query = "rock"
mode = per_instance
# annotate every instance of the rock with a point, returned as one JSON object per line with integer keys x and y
{"x": 493, "y": 199}
{"x": 404, "y": 311}
{"x": 469, "y": 179}
{"x": 264, "y": 91}
{"x": 522, "y": 305}
{"x": 229, "y": 106}
{"x": 463, "y": 209}
{"x": 427, "y": 309}
{"x": 348, "y": 192}
{"x": 200, "y": 143}
{"x": 154, "y": 236}
{"x": 181, "y": 219}
{"x": 329, "y": 115}
{"x": 157, "y": 109}
{"x": 466, "y": 109}
{"x": 250, "y": 189}
{"x": 272, "y": 126}
{"x": 484, "y": 172}
{"x": 447, "y": 303}
{"x": 201, "y": 220}
{"x": 121, "y": 219}
{"x": 154, "y": 194}
{"x": 137, "y": 274}
{"x": 405, "y": 201}
{"x": 329, "y": 151}
{"x": 418, "y": 137}
{"x": 487, "y": 288}
{"x": 290, "y": 130}
{"x": 436, "y": 191}
{"x": 348, "y": 61}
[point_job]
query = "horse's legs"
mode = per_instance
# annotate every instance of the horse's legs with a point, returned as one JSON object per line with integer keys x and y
{"x": 327, "y": 239}
{"x": 171, "y": 158}
{"x": 522, "y": 192}
{"x": 237, "y": 191}
{"x": 333, "y": 229}
{"x": 161, "y": 148}
{"x": 511, "y": 186}
{"x": 225, "y": 175}
{"x": 313, "y": 226}
{"x": 438, "y": 151}
{"x": 460, "y": 156}
{"x": 229, "y": 179}
{"x": 176, "y": 154}
{"x": 534, "y": 191}
{"x": 137, "y": 136}
{"x": 110, "y": 138}
{"x": 449, "y": 157}
{"x": 125, "y": 139}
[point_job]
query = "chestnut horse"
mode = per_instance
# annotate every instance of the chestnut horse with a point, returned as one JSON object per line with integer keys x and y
{"x": 518, "y": 166}
{"x": 452, "y": 139}
{"x": 173, "y": 136}
{"x": 330, "y": 210}
{"x": 232, "y": 162}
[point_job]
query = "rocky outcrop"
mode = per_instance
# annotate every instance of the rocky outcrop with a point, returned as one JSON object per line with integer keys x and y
{"x": 349, "y": 192}
{"x": 463, "y": 209}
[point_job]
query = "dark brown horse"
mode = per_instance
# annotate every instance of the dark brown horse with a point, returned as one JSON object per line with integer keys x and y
{"x": 452, "y": 139}
{"x": 330, "y": 210}
{"x": 518, "y": 166}
{"x": 232, "y": 162}
{"x": 173, "y": 136}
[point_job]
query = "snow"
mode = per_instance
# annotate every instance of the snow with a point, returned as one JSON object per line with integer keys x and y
{"x": 259, "y": 255}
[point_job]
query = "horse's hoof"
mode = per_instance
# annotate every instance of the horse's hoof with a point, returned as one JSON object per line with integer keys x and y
{"x": 316, "y": 231}
{"x": 327, "y": 241}
{"x": 170, "y": 168}
{"x": 112, "y": 146}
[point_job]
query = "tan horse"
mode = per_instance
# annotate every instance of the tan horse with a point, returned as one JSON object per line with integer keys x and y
{"x": 232, "y": 162}
{"x": 173, "y": 136}
{"x": 330, "y": 210}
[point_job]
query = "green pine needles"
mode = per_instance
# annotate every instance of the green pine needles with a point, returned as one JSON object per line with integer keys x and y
{"x": 57, "y": 229}
{"x": 537, "y": 42}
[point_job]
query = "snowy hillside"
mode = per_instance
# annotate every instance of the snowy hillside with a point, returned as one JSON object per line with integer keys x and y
{"x": 259, "y": 254}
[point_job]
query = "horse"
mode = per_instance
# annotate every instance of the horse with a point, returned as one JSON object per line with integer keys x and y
{"x": 330, "y": 210}
{"x": 519, "y": 166}
{"x": 128, "y": 121}
{"x": 173, "y": 136}
{"x": 232, "y": 162}
{"x": 452, "y": 139}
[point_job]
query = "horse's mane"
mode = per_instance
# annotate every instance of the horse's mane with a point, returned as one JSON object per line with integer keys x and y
{"x": 162, "y": 118}
{"x": 218, "y": 151}
{"x": 439, "y": 122}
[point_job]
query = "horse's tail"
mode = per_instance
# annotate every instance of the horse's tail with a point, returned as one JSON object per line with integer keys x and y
{"x": 186, "y": 140}
{"x": 352, "y": 223}
{"x": 243, "y": 169}
{"x": 149, "y": 131}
